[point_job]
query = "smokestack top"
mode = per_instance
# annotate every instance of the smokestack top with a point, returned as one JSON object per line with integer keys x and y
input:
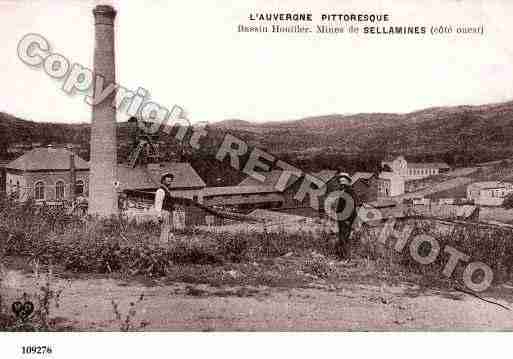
{"x": 104, "y": 14}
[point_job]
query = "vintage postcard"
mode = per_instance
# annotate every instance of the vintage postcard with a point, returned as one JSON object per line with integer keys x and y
{"x": 256, "y": 166}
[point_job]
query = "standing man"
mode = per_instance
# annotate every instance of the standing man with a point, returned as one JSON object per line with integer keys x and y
{"x": 346, "y": 214}
{"x": 164, "y": 205}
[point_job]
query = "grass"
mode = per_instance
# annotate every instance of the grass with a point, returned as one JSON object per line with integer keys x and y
{"x": 492, "y": 247}
{"x": 128, "y": 250}
{"x": 116, "y": 246}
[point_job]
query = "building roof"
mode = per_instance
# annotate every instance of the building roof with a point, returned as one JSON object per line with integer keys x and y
{"x": 325, "y": 175}
{"x": 443, "y": 165}
{"x": 428, "y": 165}
{"x": 271, "y": 180}
{"x": 236, "y": 190}
{"x": 145, "y": 178}
{"x": 272, "y": 177}
{"x": 361, "y": 175}
{"x": 388, "y": 175}
{"x": 40, "y": 159}
{"x": 382, "y": 203}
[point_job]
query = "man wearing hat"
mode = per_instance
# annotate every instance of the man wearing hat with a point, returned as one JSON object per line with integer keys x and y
{"x": 164, "y": 205}
{"x": 346, "y": 214}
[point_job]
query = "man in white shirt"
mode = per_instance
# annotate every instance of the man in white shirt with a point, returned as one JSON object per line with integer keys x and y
{"x": 164, "y": 205}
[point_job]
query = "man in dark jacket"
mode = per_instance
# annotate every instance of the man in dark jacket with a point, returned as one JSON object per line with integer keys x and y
{"x": 346, "y": 214}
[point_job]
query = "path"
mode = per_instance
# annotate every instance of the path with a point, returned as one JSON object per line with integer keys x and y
{"x": 86, "y": 306}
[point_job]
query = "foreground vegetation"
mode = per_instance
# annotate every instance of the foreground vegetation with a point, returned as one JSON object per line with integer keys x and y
{"x": 132, "y": 251}
{"x": 120, "y": 246}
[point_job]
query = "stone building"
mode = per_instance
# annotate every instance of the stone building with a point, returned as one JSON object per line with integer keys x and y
{"x": 489, "y": 193}
{"x": 46, "y": 174}
{"x": 390, "y": 184}
{"x": 415, "y": 170}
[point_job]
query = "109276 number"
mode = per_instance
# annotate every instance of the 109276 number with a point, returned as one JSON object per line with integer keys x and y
{"x": 36, "y": 349}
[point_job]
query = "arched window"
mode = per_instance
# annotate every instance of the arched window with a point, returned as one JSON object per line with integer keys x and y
{"x": 59, "y": 190}
{"x": 79, "y": 188}
{"x": 39, "y": 191}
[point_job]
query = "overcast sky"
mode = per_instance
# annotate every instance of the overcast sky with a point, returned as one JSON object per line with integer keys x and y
{"x": 189, "y": 53}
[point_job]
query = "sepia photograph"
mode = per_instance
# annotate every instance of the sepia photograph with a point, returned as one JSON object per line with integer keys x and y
{"x": 255, "y": 166}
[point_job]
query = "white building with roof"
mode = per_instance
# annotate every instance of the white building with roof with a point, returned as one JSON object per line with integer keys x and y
{"x": 489, "y": 193}
{"x": 390, "y": 184}
{"x": 415, "y": 170}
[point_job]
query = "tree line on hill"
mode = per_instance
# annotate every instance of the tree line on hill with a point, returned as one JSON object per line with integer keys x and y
{"x": 457, "y": 136}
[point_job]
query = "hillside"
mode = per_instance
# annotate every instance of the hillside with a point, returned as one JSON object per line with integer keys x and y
{"x": 460, "y": 135}
{"x": 16, "y": 130}
{"x": 236, "y": 124}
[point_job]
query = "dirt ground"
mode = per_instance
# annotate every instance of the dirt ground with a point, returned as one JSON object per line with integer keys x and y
{"x": 348, "y": 306}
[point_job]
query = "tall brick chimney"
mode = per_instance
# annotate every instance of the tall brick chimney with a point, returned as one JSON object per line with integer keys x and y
{"x": 102, "y": 194}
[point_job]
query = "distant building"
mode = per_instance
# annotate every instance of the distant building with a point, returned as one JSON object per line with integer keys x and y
{"x": 389, "y": 184}
{"x": 45, "y": 174}
{"x": 490, "y": 193}
{"x": 415, "y": 170}
{"x": 420, "y": 201}
{"x": 446, "y": 201}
